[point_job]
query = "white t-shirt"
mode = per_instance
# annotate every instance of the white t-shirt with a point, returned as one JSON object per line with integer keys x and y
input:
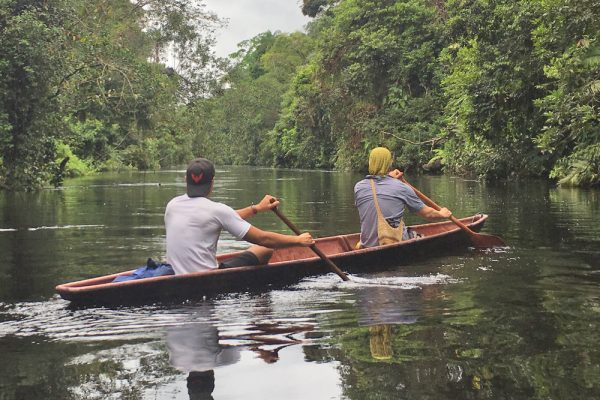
{"x": 193, "y": 226}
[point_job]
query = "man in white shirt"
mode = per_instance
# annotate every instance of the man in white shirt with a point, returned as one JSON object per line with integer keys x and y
{"x": 194, "y": 222}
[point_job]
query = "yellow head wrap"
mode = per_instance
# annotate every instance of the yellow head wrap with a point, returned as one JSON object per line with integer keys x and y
{"x": 380, "y": 161}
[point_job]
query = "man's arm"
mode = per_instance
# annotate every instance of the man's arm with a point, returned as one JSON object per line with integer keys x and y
{"x": 425, "y": 212}
{"x": 274, "y": 240}
{"x": 264, "y": 205}
{"x": 431, "y": 213}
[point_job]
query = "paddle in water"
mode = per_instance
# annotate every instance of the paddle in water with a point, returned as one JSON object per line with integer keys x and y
{"x": 313, "y": 247}
{"x": 479, "y": 240}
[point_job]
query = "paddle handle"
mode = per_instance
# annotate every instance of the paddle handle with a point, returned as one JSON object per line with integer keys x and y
{"x": 433, "y": 205}
{"x": 313, "y": 247}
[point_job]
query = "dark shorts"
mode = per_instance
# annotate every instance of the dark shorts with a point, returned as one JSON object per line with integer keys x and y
{"x": 245, "y": 258}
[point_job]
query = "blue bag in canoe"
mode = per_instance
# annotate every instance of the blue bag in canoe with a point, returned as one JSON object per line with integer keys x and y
{"x": 150, "y": 270}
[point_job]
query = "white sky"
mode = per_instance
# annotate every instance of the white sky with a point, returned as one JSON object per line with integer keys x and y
{"x": 247, "y": 18}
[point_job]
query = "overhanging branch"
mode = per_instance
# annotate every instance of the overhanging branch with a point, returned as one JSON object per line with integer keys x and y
{"x": 432, "y": 141}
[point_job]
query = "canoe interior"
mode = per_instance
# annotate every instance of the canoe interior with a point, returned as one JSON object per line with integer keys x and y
{"x": 286, "y": 266}
{"x": 334, "y": 245}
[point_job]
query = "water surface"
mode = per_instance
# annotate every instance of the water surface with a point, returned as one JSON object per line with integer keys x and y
{"x": 516, "y": 323}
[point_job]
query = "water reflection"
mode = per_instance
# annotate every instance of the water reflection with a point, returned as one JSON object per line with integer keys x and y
{"x": 271, "y": 338}
{"x": 518, "y": 324}
{"x": 380, "y": 342}
{"x": 200, "y": 385}
{"x": 197, "y": 346}
{"x": 389, "y": 305}
{"x": 194, "y": 348}
{"x": 381, "y": 308}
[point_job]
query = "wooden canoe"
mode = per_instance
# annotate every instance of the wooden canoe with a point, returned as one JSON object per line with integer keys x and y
{"x": 285, "y": 267}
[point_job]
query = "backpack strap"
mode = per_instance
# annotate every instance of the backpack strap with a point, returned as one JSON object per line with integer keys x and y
{"x": 385, "y": 232}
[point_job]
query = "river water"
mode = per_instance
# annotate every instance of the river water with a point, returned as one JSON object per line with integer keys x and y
{"x": 521, "y": 322}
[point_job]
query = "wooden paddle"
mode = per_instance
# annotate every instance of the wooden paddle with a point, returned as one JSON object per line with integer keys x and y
{"x": 479, "y": 240}
{"x": 313, "y": 247}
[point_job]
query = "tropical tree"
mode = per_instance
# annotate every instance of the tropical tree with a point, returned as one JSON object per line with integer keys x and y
{"x": 491, "y": 84}
{"x": 86, "y": 80}
{"x": 568, "y": 37}
{"x": 373, "y": 81}
{"x": 234, "y": 124}
{"x": 32, "y": 58}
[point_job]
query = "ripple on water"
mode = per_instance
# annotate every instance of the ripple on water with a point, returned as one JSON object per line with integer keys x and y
{"x": 237, "y": 315}
{"x": 52, "y": 227}
{"x": 56, "y": 321}
{"x": 332, "y": 282}
{"x": 238, "y": 321}
{"x": 57, "y": 227}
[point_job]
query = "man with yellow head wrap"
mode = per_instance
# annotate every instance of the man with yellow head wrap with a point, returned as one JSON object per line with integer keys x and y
{"x": 392, "y": 197}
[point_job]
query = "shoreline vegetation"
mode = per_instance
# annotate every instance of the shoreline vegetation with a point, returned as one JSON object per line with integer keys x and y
{"x": 488, "y": 90}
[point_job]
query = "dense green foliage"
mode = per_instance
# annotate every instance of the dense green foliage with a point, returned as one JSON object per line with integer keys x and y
{"x": 490, "y": 89}
{"x": 371, "y": 81}
{"x": 233, "y": 125}
{"x": 568, "y": 36}
{"x": 490, "y": 86}
{"x": 85, "y": 80}
{"x": 31, "y": 61}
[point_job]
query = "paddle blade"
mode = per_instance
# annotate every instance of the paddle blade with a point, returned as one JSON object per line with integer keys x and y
{"x": 482, "y": 241}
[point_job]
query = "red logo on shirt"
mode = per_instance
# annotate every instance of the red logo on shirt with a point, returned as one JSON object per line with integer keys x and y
{"x": 197, "y": 178}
